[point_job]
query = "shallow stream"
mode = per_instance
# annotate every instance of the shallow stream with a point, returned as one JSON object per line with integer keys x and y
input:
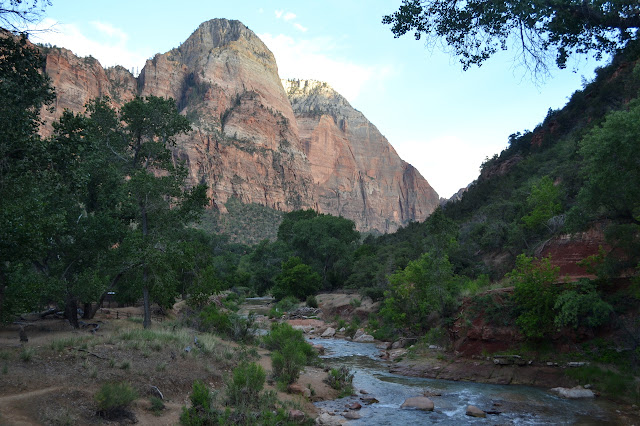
{"x": 519, "y": 405}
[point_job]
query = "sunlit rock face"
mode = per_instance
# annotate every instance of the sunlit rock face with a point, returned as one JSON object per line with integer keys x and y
{"x": 300, "y": 145}
{"x": 356, "y": 171}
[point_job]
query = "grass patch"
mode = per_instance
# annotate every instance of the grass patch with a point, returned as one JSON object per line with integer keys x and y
{"x": 27, "y": 354}
{"x": 610, "y": 383}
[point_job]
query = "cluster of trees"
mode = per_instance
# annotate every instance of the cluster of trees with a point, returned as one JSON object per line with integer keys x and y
{"x": 99, "y": 205}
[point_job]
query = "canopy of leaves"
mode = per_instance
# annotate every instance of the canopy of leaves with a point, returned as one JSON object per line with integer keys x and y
{"x": 538, "y": 30}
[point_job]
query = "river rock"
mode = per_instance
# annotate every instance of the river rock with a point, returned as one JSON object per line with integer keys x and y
{"x": 384, "y": 345}
{"x": 419, "y": 403}
{"x": 319, "y": 349}
{"x": 474, "y": 411}
{"x": 351, "y": 415}
{"x": 328, "y": 419}
{"x": 354, "y": 406}
{"x": 574, "y": 393}
{"x": 329, "y": 332}
{"x": 364, "y": 338}
{"x": 396, "y": 345}
{"x": 369, "y": 400}
{"x": 300, "y": 390}
{"x": 296, "y": 416}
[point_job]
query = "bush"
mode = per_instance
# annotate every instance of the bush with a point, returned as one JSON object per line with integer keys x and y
{"x": 535, "y": 295}
{"x": 290, "y": 352}
{"x": 201, "y": 411}
{"x": 312, "y": 302}
{"x": 246, "y": 384}
{"x": 288, "y": 362}
{"x": 285, "y": 305}
{"x": 114, "y": 400}
{"x": 582, "y": 305}
{"x": 341, "y": 379}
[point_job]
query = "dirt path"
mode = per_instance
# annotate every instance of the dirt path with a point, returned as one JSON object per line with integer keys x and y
{"x": 14, "y": 411}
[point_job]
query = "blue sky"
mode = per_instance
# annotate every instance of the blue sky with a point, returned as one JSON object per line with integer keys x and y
{"x": 441, "y": 119}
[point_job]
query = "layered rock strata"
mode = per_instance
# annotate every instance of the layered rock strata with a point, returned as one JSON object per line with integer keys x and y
{"x": 247, "y": 142}
{"x": 356, "y": 171}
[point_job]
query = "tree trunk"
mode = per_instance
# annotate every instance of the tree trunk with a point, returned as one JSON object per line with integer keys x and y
{"x": 87, "y": 309}
{"x": 146, "y": 322}
{"x": 71, "y": 311}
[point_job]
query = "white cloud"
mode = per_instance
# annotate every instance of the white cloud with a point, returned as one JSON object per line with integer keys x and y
{"x": 300, "y": 27}
{"x": 279, "y": 13}
{"x": 448, "y": 161}
{"x": 110, "y": 31}
{"x": 316, "y": 59}
{"x": 109, "y": 46}
{"x": 289, "y": 16}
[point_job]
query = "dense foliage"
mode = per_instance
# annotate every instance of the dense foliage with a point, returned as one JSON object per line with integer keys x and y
{"x": 538, "y": 30}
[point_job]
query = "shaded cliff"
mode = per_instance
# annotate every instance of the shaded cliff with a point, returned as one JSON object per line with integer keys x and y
{"x": 356, "y": 171}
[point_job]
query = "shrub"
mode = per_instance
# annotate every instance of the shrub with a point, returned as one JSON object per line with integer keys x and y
{"x": 157, "y": 404}
{"x": 246, "y": 384}
{"x": 288, "y": 362}
{"x": 535, "y": 295}
{"x": 341, "y": 379}
{"x": 312, "y": 302}
{"x": 281, "y": 334}
{"x": 582, "y": 305}
{"x": 290, "y": 352}
{"x": 212, "y": 319}
{"x": 200, "y": 412}
{"x": 114, "y": 400}
{"x": 285, "y": 305}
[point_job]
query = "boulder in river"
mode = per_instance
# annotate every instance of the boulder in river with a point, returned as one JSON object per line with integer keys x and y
{"x": 351, "y": 415}
{"x": 364, "y": 338}
{"x": 474, "y": 411}
{"x": 329, "y": 332}
{"x": 574, "y": 393}
{"x": 419, "y": 403}
{"x": 328, "y": 419}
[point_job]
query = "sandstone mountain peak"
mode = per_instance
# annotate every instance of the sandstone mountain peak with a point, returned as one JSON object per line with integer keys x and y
{"x": 282, "y": 144}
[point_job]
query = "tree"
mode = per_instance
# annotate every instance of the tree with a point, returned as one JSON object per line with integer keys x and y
{"x": 611, "y": 166}
{"x": 539, "y": 30}
{"x": 543, "y": 203}
{"x": 296, "y": 279}
{"x": 155, "y": 184}
{"x": 322, "y": 241}
{"x": 25, "y": 221}
{"x": 536, "y": 290}
{"x": 425, "y": 286}
{"x": 18, "y": 15}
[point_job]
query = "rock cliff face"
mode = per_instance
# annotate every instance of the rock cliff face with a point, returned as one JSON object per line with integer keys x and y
{"x": 356, "y": 171}
{"x": 247, "y": 142}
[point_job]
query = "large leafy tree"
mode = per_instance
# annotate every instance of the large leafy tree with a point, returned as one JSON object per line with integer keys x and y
{"x": 322, "y": 241}
{"x": 154, "y": 183}
{"x": 539, "y": 30}
{"x": 426, "y": 286}
{"x": 25, "y": 216}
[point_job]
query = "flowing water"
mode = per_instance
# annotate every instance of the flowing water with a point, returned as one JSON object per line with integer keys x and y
{"x": 519, "y": 405}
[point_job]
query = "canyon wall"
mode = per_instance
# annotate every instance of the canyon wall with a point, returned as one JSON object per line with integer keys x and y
{"x": 303, "y": 147}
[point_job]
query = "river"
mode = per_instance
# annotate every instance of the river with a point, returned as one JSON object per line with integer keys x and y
{"x": 518, "y": 405}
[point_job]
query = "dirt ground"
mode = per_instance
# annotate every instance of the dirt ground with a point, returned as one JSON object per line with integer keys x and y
{"x": 52, "y": 378}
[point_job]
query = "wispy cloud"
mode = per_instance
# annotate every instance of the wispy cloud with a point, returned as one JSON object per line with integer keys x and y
{"x": 289, "y": 17}
{"x": 300, "y": 27}
{"x": 107, "y": 43}
{"x": 317, "y": 59}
